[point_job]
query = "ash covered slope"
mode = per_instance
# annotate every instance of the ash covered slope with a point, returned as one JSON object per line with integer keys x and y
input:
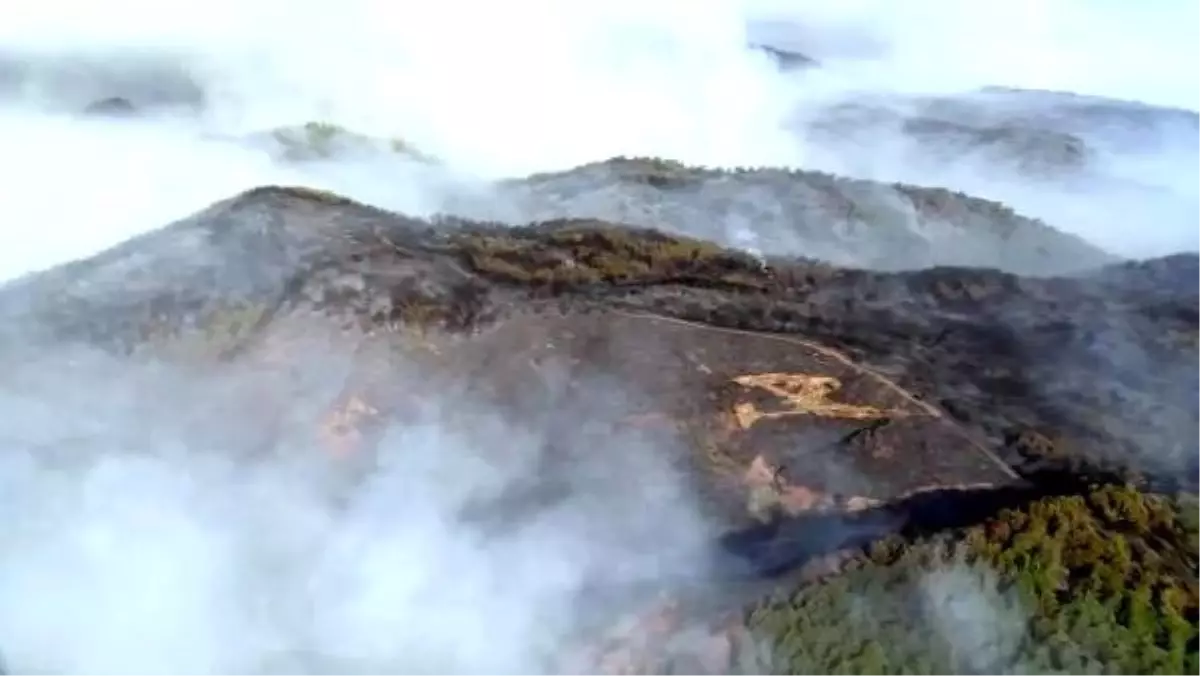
{"x": 836, "y": 405}
{"x": 805, "y": 213}
{"x": 1103, "y": 359}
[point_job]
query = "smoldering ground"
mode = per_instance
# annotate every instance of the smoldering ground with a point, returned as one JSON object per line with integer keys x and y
{"x": 195, "y": 521}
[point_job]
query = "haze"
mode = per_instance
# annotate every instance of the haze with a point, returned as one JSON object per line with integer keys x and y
{"x": 536, "y": 85}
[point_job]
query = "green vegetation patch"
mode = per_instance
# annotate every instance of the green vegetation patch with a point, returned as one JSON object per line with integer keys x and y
{"x": 567, "y": 254}
{"x": 656, "y": 172}
{"x": 1099, "y": 583}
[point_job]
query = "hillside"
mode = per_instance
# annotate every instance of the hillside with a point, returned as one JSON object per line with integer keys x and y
{"x": 1047, "y": 134}
{"x": 807, "y": 213}
{"x": 849, "y": 222}
{"x": 858, "y": 439}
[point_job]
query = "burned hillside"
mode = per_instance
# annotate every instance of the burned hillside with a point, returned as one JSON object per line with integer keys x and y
{"x": 827, "y": 415}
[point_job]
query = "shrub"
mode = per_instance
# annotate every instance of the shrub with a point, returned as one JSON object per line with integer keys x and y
{"x": 1102, "y": 582}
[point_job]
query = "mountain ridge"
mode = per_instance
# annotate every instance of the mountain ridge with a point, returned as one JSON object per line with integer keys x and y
{"x": 820, "y": 410}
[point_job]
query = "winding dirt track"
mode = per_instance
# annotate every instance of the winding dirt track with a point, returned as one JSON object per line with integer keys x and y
{"x": 838, "y": 356}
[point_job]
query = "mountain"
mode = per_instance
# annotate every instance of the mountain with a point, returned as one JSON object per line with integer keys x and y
{"x": 939, "y": 469}
{"x": 1045, "y": 132}
{"x": 818, "y": 215}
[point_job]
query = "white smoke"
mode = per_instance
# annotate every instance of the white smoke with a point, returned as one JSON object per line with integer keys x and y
{"x": 532, "y": 85}
{"x": 164, "y": 520}
{"x": 983, "y": 627}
